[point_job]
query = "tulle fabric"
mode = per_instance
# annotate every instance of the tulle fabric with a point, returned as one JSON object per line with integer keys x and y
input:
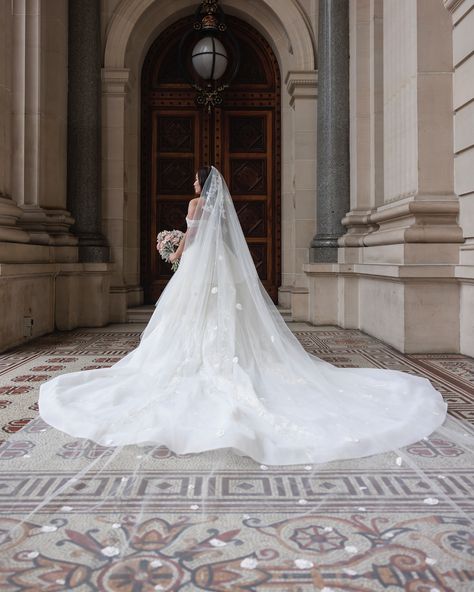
{"x": 217, "y": 367}
{"x": 218, "y": 370}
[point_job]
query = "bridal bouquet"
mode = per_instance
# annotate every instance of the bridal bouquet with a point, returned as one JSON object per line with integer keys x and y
{"x": 167, "y": 241}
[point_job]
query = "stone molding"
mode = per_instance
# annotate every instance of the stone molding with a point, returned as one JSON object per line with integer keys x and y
{"x": 415, "y": 221}
{"x": 302, "y": 84}
{"x": 414, "y": 273}
{"x": 58, "y": 225}
{"x": 284, "y": 15}
{"x": 358, "y": 225}
{"x": 115, "y": 81}
{"x": 451, "y": 5}
{"x": 34, "y": 269}
{"x": 10, "y": 214}
{"x": 34, "y": 221}
{"x": 47, "y": 226}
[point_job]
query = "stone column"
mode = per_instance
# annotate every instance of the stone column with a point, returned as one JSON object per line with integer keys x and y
{"x": 333, "y": 201}
{"x": 84, "y": 129}
{"x": 10, "y": 213}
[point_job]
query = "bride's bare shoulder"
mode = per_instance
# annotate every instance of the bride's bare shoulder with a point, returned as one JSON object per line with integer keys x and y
{"x": 192, "y": 206}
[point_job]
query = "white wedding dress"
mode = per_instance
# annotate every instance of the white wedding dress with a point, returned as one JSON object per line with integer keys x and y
{"x": 217, "y": 367}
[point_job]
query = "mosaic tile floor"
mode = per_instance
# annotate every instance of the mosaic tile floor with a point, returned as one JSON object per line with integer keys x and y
{"x": 375, "y": 524}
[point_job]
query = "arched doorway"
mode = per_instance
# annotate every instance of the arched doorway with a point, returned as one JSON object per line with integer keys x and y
{"x": 241, "y": 137}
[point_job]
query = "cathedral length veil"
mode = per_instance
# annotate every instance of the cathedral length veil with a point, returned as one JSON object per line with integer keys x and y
{"x": 219, "y": 379}
{"x": 218, "y": 367}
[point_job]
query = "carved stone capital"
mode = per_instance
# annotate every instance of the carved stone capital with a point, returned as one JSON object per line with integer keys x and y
{"x": 115, "y": 80}
{"x": 302, "y": 84}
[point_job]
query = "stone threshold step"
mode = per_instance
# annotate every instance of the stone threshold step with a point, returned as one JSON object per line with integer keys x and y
{"x": 142, "y": 314}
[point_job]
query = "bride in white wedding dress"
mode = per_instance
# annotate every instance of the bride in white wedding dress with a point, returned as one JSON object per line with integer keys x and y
{"x": 217, "y": 367}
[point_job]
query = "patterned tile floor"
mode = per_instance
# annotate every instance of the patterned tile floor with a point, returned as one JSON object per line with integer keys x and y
{"x": 23, "y": 369}
{"x": 375, "y": 524}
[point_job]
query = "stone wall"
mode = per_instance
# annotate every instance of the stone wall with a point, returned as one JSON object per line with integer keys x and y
{"x": 395, "y": 277}
{"x": 42, "y": 284}
{"x": 462, "y": 13}
{"x": 130, "y": 28}
{"x": 405, "y": 269}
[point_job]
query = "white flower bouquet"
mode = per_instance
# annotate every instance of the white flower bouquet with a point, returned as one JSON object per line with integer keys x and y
{"x": 167, "y": 242}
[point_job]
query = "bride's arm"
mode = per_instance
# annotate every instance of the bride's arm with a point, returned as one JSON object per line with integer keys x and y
{"x": 179, "y": 251}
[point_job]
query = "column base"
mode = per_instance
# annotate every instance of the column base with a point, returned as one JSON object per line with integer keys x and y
{"x": 35, "y": 222}
{"x": 414, "y": 308}
{"x": 59, "y": 224}
{"x": 93, "y": 248}
{"x": 94, "y": 253}
{"x": 323, "y": 249}
{"x": 10, "y": 213}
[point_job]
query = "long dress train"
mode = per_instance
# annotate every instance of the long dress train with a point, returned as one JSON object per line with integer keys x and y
{"x": 217, "y": 367}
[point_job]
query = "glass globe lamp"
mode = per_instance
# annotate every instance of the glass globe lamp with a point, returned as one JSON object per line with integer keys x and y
{"x": 209, "y": 58}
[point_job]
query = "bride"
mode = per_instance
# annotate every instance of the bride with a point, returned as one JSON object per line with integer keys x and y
{"x": 217, "y": 367}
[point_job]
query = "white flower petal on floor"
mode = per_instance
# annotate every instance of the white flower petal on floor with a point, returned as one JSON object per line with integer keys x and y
{"x": 303, "y": 564}
{"x": 48, "y": 528}
{"x": 350, "y": 549}
{"x": 249, "y": 563}
{"x": 110, "y": 551}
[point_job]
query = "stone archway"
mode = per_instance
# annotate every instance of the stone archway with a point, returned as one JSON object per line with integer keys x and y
{"x": 278, "y": 19}
{"x": 133, "y": 27}
{"x": 241, "y": 137}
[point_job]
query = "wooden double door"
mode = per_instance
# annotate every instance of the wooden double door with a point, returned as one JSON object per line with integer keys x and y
{"x": 241, "y": 138}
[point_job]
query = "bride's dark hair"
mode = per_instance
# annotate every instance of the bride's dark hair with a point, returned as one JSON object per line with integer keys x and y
{"x": 203, "y": 174}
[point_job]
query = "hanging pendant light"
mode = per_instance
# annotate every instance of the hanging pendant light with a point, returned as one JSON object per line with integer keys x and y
{"x": 210, "y": 57}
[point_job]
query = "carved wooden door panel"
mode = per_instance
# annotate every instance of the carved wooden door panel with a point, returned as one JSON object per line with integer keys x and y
{"x": 175, "y": 158}
{"x": 248, "y": 169}
{"x": 241, "y": 138}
